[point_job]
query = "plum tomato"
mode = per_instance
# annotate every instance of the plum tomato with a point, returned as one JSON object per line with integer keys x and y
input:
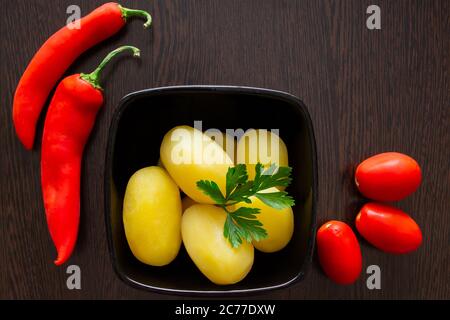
{"x": 339, "y": 252}
{"x": 388, "y": 228}
{"x": 389, "y": 176}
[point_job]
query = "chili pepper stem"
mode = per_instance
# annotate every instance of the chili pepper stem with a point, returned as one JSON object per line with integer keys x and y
{"x": 94, "y": 77}
{"x": 127, "y": 13}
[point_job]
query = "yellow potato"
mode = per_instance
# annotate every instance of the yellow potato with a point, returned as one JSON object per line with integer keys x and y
{"x": 250, "y": 150}
{"x": 190, "y": 156}
{"x": 152, "y": 216}
{"x": 279, "y": 224}
{"x": 202, "y": 232}
{"x": 186, "y": 203}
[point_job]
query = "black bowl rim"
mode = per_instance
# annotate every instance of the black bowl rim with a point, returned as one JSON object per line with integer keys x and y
{"x": 124, "y": 102}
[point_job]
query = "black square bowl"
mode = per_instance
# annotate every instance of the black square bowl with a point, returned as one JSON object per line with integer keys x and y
{"x": 135, "y": 135}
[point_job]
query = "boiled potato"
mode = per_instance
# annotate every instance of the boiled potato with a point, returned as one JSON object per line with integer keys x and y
{"x": 152, "y": 216}
{"x": 256, "y": 146}
{"x": 186, "y": 203}
{"x": 279, "y": 224}
{"x": 190, "y": 156}
{"x": 202, "y": 232}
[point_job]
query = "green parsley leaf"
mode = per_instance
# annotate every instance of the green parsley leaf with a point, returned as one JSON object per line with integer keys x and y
{"x": 269, "y": 178}
{"x": 240, "y": 194}
{"x": 278, "y": 200}
{"x": 211, "y": 189}
{"x": 232, "y": 232}
{"x": 235, "y": 176}
{"x": 246, "y": 212}
{"x": 243, "y": 224}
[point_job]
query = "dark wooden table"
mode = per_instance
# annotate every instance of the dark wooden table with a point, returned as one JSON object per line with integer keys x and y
{"x": 368, "y": 91}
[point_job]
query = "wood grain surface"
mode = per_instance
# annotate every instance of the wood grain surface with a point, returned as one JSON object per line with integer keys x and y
{"x": 367, "y": 92}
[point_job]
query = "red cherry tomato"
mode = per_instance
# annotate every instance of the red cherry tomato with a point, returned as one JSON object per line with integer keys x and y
{"x": 339, "y": 252}
{"x": 388, "y": 228}
{"x": 389, "y": 176}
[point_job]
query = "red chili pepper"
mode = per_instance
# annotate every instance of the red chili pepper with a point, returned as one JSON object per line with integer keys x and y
{"x": 70, "y": 118}
{"x": 54, "y": 58}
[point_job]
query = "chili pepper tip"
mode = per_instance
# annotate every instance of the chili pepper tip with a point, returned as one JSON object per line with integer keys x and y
{"x": 61, "y": 259}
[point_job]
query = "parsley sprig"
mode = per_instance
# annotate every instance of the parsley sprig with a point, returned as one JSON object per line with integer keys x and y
{"x": 243, "y": 223}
